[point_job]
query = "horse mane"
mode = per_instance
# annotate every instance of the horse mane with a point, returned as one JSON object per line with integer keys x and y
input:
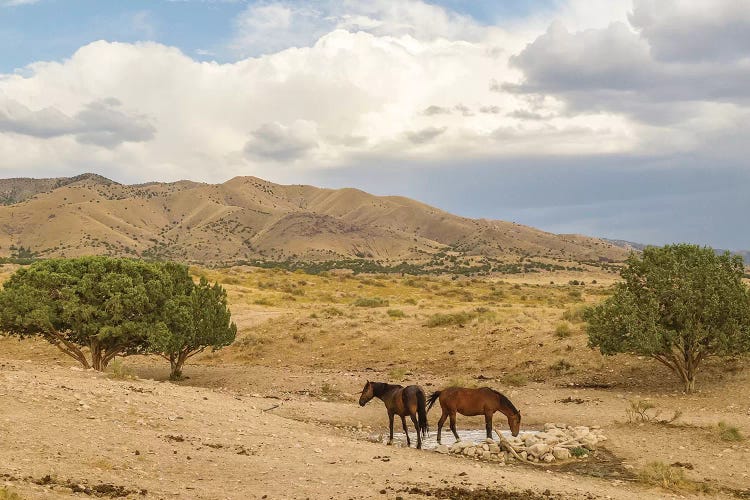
{"x": 380, "y": 388}
{"x": 504, "y": 400}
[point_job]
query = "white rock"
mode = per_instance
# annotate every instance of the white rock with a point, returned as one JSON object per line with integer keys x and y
{"x": 561, "y": 453}
{"x": 548, "y": 458}
{"x": 589, "y": 442}
{"x": 538, "y": 450}
{"x": 441, "y": 448}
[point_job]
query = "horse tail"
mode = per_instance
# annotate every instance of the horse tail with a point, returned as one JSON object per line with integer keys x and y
{"x": 422, "y": 413}
{"x": 431, "y": 400}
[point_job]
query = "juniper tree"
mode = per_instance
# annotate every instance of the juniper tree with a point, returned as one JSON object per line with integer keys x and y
{"x": 679, "y": 304}
{"x": 196, "y": 320}
{"x": 91, "y": 308}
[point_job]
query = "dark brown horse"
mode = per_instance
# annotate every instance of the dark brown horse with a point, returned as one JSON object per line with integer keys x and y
{"x": 401, "y": 401}
{"x": 471, "y": 402}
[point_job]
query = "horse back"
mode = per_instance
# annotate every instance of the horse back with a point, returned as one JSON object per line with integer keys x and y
{"x": 468, "y": 401}
{"x": 409, "y": 399}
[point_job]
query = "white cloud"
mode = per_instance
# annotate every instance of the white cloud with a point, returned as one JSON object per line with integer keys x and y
{"x": 385, "y": 79}
{"x": 99, "y": 123}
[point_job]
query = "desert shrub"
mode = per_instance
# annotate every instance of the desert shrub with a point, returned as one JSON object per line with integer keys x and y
{"x": 729, "y": 432}
{"x": 396, "y": 313}
{"x": 515, "y": 379}
{"x": 119, "y": 371}
{"x": 440, "y": 319}
{"x": 661, "y": 474}
{"x": 411, "y": 301}
{"x": 263, "y": 301}
{"x": 397, "y": 373}
{"x": 332, "y": 311}
{"x": 300, "y": 337}
{"x": 561, "y": 366}
{"x": 638, "y": 411}
{"x": 371, "y": 302}
{"x": 574, "y": 314}
{"x": 562, "y": 331}
{"x": 579, "y": 451}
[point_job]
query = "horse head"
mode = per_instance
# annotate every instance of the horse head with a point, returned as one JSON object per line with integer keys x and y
{"x": 514, "y": 422}
{"x": 368, "y": 392}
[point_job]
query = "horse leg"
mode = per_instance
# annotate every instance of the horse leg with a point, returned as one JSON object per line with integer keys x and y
{"x": 440, "y": 424}
{"x": 416, "y": 426}
{"x": 390, "y": 424}
{"x": 488, "y": 424}
{"x": 406, "y": 431}
{"x": 453, "y": 425}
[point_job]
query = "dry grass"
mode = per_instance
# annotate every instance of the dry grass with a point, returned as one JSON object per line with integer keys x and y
{"x": 729, "y": 433}
{"x": 422, "y": 322}
{"x": 7, "y": 494}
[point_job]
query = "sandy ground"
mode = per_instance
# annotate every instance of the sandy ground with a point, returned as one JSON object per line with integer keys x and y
{"x": 63, "y": 426}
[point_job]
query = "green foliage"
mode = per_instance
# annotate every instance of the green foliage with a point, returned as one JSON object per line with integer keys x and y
{"x": 396, "y": 313}
{"x": 108, "y": 306}
{"x": 195, "y": 320}
{"x": 729, "y": 433}
{"x": 440, "y": 319}
{"x": 579, "y": 451}
{"x": 371, "y": 302}
{"x": 678, "y": 304}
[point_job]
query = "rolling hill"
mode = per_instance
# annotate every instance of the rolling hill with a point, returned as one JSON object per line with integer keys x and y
{"x": 249, "y": 218}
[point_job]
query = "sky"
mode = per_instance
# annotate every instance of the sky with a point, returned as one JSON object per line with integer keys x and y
{"x": 623, "y": 119}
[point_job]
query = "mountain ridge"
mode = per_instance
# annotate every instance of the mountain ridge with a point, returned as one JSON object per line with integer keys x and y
{"x": 249, "y": 218}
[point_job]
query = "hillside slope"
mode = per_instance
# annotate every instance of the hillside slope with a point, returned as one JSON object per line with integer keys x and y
{"x": 249, "y": 218}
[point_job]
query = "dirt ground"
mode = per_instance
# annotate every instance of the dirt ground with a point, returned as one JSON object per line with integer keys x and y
{"x": 275, "y": 415}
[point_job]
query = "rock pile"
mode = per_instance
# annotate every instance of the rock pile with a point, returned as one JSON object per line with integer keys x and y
{"x": 558, "y": 442}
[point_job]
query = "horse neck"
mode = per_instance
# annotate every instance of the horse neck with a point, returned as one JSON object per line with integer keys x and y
{"x": 380, "y": 389}
{"x": 505, "y": 406}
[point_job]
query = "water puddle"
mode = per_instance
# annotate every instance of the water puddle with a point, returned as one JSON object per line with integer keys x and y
{"x": 430, "y": 442}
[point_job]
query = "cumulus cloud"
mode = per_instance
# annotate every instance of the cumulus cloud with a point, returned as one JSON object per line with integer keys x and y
{"x": 694, "y": 31}
{"x": 282, "y": 143}
{"x": 425, "y": 135}
{"x": 340, "y": 85}
{"x": 99, "y": 122}
{"x": 267, "y": 27}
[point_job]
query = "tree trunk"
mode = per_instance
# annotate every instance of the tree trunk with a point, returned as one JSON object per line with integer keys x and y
{"x": 97, "y": 356}
{"x": 177, "y": 362}
{"x": 684, "y": 364}
{"x": 690, "y": 385}
{"x": 58, "y": 340}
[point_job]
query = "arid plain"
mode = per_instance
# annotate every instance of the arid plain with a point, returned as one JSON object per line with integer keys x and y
{"x": 276, "y": 413}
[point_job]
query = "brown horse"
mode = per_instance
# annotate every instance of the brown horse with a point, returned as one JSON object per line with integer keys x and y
{"x": 401, "y": 401}
{"x": 471, "y": 402}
